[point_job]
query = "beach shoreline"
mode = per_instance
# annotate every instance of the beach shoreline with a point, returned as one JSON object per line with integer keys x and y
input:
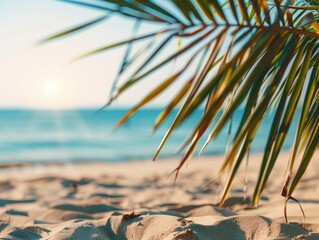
{"x": 138, "y": 200}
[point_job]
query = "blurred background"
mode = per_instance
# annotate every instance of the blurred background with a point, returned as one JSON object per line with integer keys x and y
{"x": 49, "y": 102}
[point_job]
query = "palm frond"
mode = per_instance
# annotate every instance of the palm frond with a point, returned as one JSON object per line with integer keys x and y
{"x": 261, "y": 54}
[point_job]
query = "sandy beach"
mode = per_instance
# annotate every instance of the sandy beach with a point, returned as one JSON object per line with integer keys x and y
{"x": 137, "y": 200}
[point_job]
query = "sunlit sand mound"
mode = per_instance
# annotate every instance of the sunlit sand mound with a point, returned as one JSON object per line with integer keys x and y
{"x": 136, "y": 201}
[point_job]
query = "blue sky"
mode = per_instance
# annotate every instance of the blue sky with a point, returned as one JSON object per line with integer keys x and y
{"x": 42, "y": 76}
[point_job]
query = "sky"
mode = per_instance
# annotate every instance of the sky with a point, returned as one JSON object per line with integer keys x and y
{"x": 43, "y": 76}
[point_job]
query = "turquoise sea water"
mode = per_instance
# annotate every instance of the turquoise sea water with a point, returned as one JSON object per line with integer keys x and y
{"x": 84, "y": 135}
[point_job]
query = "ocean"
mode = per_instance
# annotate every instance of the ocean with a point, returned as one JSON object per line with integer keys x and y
{"x": 87, "y": 135}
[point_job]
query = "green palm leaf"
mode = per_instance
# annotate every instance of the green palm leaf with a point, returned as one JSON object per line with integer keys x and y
{"x": 260, "y": 54}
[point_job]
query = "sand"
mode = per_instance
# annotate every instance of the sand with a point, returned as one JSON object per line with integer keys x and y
{"x": 137, "y": 200}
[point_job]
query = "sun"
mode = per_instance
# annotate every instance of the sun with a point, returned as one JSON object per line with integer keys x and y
{"x": 51, "y": 87}
{"x": 51, "y": 93}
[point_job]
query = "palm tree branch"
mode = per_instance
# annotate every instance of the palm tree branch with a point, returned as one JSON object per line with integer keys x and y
{"x": 272, "y": 49}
